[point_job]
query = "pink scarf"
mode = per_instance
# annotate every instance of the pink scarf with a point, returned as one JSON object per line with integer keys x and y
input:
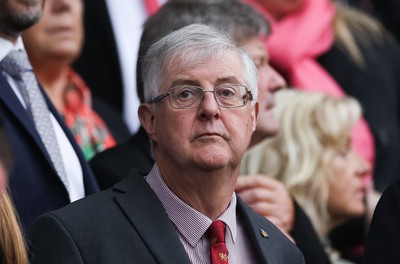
{"x": 151, "y": 6}
{"x": 295, "y": 43}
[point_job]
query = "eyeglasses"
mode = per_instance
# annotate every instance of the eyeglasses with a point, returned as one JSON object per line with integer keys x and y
{"x": 226, "y": 95}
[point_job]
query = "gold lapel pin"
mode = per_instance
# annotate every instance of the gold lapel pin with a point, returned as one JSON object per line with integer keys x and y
{"x": 264, "y": 233}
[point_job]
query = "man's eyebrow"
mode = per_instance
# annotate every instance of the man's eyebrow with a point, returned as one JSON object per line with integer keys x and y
{"x": 181, "y": 82}
{"x": 230, "y": 80}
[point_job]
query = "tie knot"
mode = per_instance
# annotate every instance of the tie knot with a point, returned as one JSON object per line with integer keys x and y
{"x": 16, "y": 63}
{"x": 217, "y": 232}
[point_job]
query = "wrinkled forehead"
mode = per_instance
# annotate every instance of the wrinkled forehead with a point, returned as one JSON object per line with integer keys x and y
{"x": 189, "y": 60}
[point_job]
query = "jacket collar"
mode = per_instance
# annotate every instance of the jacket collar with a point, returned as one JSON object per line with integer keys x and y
{"x": 160, "y": 236}
{"x": 149, "y": 218}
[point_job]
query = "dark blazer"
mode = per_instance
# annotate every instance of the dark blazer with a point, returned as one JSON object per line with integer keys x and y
{"x": 34, "y": 183}
{"x": 99, "y": 63}
{"x": 114, "y": 164}
{"x": 128, "y": 224}
{"x": 383, "y": 238}
{"x": 306, "y": 238}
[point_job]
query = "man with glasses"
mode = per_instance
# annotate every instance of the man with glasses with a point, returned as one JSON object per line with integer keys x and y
{"x": 201, "y": 110}
{"x": 191, "y": 96}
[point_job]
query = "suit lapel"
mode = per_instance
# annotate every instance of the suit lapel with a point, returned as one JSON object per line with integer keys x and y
{"x": 90, "y": 183}
{"x": 148, "y": 216}
{"x": 258, "y": 232}
{"x": 12, "y": 102}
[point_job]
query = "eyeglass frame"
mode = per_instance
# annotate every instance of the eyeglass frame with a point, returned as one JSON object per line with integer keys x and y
{"x": 248, "y": 96}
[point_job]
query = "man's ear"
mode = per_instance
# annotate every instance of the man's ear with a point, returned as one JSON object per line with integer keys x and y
{"x": 254, "y": 114}
{"x": 148, "y": 120}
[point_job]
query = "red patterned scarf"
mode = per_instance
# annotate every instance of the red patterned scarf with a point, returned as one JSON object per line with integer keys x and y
{"x": 88, "y": 128}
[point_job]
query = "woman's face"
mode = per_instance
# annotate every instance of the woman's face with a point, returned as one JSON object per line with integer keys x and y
{"x": 280, "y": 8}
{"x": 59, "y": 33}
{"x": 347, "y": 189}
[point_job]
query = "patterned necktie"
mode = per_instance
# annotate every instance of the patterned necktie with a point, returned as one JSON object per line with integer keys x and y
{"x": 218, "y": 251}
{"x": 17, "y": 65}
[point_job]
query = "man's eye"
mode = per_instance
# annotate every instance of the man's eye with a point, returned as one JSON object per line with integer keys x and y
{"x": 185, "y": 94}
{"x": 227, "y": 92}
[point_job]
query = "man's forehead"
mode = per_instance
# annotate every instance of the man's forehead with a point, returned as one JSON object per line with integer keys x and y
{"x": 222, "y": 69}
{"x": 193, "y": 80}
{"x": 191, "y": 58}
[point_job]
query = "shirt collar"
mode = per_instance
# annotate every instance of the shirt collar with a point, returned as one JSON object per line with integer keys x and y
{"x": 188, "y": 221}
{"x": 6, "y": 46}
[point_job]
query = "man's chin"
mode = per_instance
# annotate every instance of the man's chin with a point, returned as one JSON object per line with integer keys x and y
{"x": 208, "y": 165}
{"x": 21, "y": 22}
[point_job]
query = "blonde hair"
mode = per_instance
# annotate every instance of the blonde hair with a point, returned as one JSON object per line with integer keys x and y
{"x": 314, "y": 128}
{"x": 355, "y": 30}
{"x": 11, "y": 239}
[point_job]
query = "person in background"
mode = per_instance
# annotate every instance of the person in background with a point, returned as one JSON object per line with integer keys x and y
{"x": 50, "y": 170}
{"x": 199, "y": 80}
{"x": 342, "y": 51}
{"x": 108, "y": 59}
{"x": 52, "y": 46}
{"x": 12, "y": 242}
{"x": 312, "y": 156}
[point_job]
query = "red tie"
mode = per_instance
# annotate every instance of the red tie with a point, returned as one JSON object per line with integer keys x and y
{"x": 218, "y": 251}
{"x": 151, "y": 6}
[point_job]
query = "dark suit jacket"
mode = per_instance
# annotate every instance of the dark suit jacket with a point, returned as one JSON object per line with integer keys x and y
{"x": 34, "y": 183}
{"x": 99, "y": 63}
{"x": 114, "y": 164}
{"x": 383, "y": 240}
{"x": 128, "y": 224}
{"x": 307, "y": 239}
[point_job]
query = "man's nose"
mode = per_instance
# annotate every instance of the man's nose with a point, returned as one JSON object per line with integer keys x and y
{"x": 277, "y": 81}
{"x": 209, "y": 107}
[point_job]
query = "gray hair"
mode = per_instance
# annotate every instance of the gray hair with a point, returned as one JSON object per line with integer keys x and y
{"x": 194, "y": 43}
{"x": 240, "y": 20}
